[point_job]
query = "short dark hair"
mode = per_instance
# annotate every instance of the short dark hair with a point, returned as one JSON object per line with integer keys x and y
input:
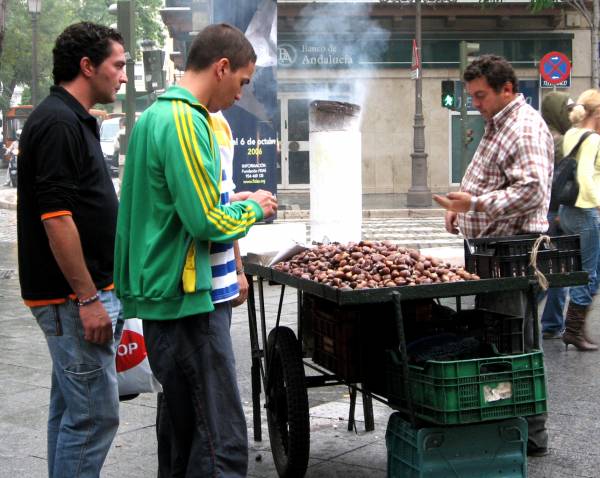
{"x": 496, "y": 70}
{"x": 81, "y": 40}
{"x": 220, "y": 41}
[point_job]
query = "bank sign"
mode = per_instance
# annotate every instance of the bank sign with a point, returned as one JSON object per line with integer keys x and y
{"x": 315, "y": 55}
{"x": 380, "y": 50}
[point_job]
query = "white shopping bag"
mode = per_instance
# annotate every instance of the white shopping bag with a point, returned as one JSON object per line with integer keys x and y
{"x": 133, "y": 369}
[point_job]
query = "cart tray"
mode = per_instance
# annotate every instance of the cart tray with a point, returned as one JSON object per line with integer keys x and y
{"x": 423, "y": 291}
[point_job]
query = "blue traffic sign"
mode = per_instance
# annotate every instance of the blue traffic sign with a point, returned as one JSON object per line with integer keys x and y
{"x": 555, "y": 68}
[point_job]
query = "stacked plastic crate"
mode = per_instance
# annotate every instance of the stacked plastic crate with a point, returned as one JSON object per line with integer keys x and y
{"x": 471, "y": 409}
{"x": 474, "y": 406}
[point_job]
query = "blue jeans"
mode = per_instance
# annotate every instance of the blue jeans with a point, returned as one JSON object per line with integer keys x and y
{"x": 201, "y": 427}
{"x": 553, "y": 316}
{"x": 84, "y": 399}
{"x": 586, "y": 223}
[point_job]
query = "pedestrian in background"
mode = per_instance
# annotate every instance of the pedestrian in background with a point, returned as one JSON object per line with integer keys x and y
{"x": 583, "y": 218}
{"x": 170, "y": 213}
{"x": 506, "y": 188}
{"x": 11, "y": 152}
{"x": 556, "y": 107}
{"x": 66, "y": 222}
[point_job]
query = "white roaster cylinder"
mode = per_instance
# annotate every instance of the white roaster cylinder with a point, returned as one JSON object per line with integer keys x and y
{"x": 335, "y": 172}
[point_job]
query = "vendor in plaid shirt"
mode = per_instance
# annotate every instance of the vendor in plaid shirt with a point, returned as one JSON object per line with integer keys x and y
{"x": 506, "y": 188}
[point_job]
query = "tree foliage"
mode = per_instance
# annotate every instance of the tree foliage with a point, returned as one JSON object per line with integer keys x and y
{"x": 3, "y": 5}
{"x": 56, "y": 15}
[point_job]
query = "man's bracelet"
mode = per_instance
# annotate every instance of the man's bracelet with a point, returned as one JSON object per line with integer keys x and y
{"x": 89, "y": 300}
{"x": 239, "y": 270}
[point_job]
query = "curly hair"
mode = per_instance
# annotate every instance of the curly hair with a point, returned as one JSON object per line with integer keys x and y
{"x": 81, "y": 40}
{"x": 588, "y": 104}
{"x": 496, "y": 70}
{"x": 220, "y": 41}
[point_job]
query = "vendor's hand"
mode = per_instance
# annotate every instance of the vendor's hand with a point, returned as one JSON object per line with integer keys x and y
{"x": 266, "y": 201}
{"x": 97, "y": 325}
{"x": 240, "y": 196}
{"x": 243, "y": 285}
{"x": 451, "y": 222}
{"x": 455, "y": 201}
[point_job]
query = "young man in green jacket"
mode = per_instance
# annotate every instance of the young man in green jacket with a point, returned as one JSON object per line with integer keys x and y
{"x": 169, "y": 214}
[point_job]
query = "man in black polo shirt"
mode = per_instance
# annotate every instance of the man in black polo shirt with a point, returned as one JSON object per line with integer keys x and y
{"x": 67, "y": 211}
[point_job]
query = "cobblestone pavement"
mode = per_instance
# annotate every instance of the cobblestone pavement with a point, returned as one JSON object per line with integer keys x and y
{"x": 8, "y": 225}
{"x": 410, "y": 232}
{"x": 573, "y": 387}
{"x": 421, "y": 232}
{"x": 424, "y": 232}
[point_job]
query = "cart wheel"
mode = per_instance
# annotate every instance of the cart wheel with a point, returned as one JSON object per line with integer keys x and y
{"x": 287, "y": 405}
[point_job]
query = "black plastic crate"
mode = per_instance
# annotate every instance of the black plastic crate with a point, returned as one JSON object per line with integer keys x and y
{"x": 494, "y": 257}
{"x": 336, "y": 344}
{"x": 504, "y": 332}
{"x": 350, "y": 341}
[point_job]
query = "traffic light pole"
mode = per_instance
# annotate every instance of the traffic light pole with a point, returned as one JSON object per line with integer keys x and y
{"x": 419, "y": 194}
{"x": 130, "y": 70}
{"x": 125, "y": 11}
{"x": 463, "y": 110}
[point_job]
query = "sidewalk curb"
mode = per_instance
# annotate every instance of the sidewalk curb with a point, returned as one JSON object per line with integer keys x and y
{"x": 304, "y": 214}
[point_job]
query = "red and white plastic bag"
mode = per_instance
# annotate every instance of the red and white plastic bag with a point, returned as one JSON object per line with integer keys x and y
{"x": 133, "y": 369}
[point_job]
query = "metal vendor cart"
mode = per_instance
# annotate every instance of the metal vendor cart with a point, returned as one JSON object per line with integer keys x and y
{"x": 279, "y": 353}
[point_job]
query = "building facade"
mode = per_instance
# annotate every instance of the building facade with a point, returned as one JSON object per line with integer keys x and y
{"x": 361, "y": 52}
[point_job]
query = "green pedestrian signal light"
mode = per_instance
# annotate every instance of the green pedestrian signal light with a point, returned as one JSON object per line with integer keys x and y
{"x": 449, "y": 99}
{"x": 469, "y": 133}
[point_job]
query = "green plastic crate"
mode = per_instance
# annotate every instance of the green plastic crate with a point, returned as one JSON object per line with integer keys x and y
{"x": 469, "y": 391}
{"x": 486, "y": 450}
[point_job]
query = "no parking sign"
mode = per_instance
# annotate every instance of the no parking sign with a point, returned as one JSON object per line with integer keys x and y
{"x": 555, "y": 70}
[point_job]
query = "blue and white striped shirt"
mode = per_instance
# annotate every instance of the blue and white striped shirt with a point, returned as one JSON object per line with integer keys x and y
{"x": 222, "y": 258}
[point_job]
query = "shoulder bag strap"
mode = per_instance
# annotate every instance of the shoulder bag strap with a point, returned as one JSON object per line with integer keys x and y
{"x": 581, "y": 140}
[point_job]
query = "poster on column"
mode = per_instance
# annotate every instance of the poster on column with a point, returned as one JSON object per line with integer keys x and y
{"x": 254, "y": 119}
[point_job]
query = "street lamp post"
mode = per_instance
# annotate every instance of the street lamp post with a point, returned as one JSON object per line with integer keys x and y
{"x": 35, "y": 7}
{"x": 419, "y": 194}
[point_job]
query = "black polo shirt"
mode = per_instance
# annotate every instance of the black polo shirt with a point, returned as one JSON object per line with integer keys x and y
{"x": 61, "y": 170}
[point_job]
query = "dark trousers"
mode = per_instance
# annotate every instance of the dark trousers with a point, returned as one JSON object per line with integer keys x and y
{"x": 201, "y": 425}
{"x": 518, "y": 304}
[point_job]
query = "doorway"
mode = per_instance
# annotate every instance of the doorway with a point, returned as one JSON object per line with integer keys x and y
{"x": 294, "y": 161}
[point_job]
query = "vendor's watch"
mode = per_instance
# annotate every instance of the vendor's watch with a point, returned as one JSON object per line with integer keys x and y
{"x": 473, "y": 207}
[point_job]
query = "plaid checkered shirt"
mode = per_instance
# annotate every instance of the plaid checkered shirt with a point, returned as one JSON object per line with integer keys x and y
{"x": 511, "y": 175}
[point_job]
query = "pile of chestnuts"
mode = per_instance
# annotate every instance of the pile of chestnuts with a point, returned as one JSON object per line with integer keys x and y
{"x": 370, "y": 265}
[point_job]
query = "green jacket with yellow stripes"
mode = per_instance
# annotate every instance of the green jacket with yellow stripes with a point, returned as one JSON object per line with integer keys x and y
{"x": 170, "y": 211}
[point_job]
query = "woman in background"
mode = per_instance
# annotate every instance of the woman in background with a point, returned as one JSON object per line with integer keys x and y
{"x": 584, "y": 217}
